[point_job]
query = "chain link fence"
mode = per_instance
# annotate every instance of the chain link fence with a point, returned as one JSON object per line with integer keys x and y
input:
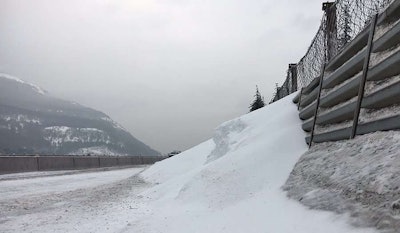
{"x": 342, "y": 21}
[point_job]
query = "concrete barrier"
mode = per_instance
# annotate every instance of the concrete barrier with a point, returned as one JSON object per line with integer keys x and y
{"x": 150, "y": 159}
{"x": 47, "y": 163}
{"x": 86, "y": 162}
{"x": 10, "y": 164}
{"x": 124, "y": 161}
{"x": 136, "y": 160}
{"x": 108, "y": 162}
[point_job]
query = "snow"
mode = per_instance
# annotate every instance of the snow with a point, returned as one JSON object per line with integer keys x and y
{"x": 377, "y": 58}
{"x": 236, "y": 185}
{"x": 20, "y": 118}
{"x": 230, "y": 183}
{"x": 372, "y": 87}
{"x": 331, "y": 127}
{"x": 370, "y": 115}
{"x": 86, "y": 202}
{"x": 326, "y": 92}
{"x": 382, "y": 29}
{"x": 58, "y": 129}
{"x": 57, "y": 135}
{"x": 96, "y": 150}
{"x": 359, "y": 176}
{"x": 34, "y": 87}
{"x": 337, "y": 106}
{"x": 11, "y": 189}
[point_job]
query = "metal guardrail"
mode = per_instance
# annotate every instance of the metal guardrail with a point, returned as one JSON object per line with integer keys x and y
{"x": 342, "y": 94}
{"x": 344, "y": 22}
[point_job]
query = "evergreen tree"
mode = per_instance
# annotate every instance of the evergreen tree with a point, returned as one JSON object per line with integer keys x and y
{"x": 258, "y": 101}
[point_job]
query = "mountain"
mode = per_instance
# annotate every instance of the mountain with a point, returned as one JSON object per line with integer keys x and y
{"x": 34, "y": 122}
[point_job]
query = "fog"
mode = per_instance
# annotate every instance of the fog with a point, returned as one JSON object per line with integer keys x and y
{"x": 168, "y": 71}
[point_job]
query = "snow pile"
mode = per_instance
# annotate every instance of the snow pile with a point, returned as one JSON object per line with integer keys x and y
{"x": 232, "y": 183}
{"x": 370, "y": 115}
{"x": 359, "y": 176}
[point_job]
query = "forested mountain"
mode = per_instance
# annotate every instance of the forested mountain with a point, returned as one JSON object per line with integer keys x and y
{"x": 34, "y": 122}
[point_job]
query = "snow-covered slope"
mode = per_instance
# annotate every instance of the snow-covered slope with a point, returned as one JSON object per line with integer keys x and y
{"x": 232, "y": 183}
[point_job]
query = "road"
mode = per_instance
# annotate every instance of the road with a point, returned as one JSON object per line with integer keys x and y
{"x": 96, "y": 201}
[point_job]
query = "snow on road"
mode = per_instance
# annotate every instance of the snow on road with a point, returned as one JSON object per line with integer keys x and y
{"x": 83, "y": 202}
{"x": 231, "y": 183}
{"x": 12, "y": 189}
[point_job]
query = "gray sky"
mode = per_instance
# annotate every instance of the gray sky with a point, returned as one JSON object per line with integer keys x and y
{"x": 168, "y": 71}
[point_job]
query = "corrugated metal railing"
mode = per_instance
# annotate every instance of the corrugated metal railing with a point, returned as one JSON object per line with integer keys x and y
{"x": 358, "y": 90}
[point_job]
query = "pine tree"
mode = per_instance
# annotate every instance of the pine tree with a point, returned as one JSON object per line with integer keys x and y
{"x": 258, "y": 101}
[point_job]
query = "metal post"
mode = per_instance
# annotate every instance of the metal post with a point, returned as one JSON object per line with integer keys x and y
{"x": 37, "y": 163}
{"x": 364, "y": 76}
{"x": 321, "y": 80}
{"x": 277, "y": 97}
{"x": 298, "y": 103}
{"x": 293, "y": 72}
{"x": 330, "y": 28}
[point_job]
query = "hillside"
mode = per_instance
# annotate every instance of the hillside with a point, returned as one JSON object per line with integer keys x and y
{"x": 34, "y": 122}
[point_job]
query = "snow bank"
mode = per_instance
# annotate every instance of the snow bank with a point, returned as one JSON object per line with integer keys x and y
{"x": 232, "y": 183}
{"x": 360, "y": 176}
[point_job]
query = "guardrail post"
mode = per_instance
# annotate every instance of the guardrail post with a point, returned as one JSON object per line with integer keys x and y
{"x": 330, "y": 28}
{"x": 364, "y": 76}
{"x": 293, "y": 72}
{"x": 299, "y": 102}
{"x": 321, "y": 80}
{"x": 37, "y": 163}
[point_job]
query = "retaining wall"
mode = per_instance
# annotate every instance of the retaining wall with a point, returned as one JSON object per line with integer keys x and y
{"x": 353, "y": 81}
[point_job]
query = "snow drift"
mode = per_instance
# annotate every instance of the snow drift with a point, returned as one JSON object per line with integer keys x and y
{"x": 232, "y": 183}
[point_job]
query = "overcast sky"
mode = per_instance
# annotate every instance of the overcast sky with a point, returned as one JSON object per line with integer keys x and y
{"x": 169, "y": 71}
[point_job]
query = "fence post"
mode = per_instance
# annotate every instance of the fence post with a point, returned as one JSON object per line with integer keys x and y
{"x": 364, "y": 76}
{"x": 37, "y": 163}
{"x": 330, "y": 28}
{"x": 298, "y": 103}
{"x": 321, "y": 80}
{"x": 277, "y": 92}
{"x": 293, "y": 72}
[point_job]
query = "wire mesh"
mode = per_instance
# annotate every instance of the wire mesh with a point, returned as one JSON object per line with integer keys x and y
{"x": 342, "y": 21}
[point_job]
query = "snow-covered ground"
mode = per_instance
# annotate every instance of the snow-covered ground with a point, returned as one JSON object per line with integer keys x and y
{"x": 102, "y": 201}
{"x": 359, "y": 176}
{"x": 231, "y": 183}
